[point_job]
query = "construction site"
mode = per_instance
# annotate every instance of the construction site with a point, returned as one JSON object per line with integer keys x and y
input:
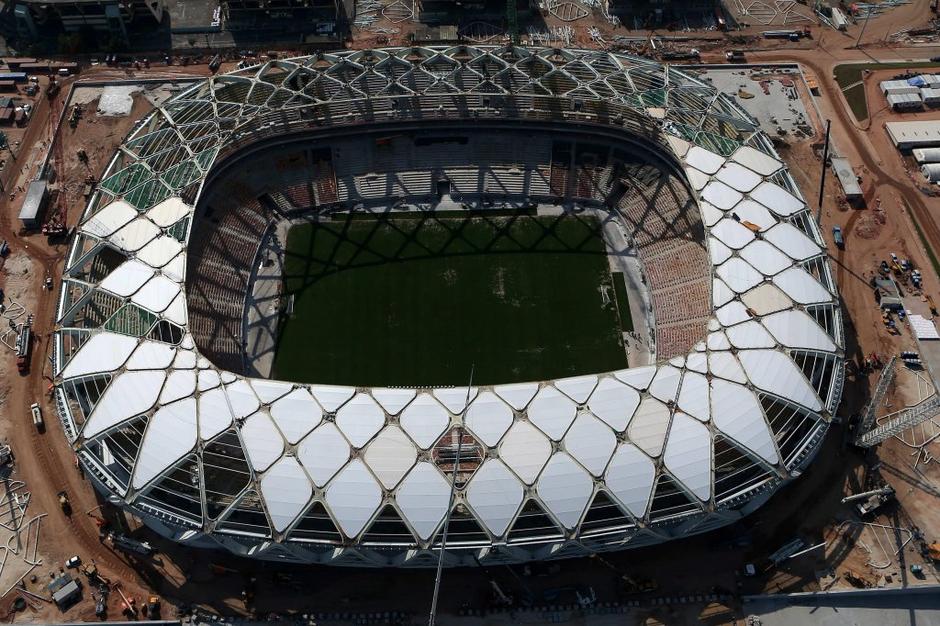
{"x": 861, "y": 518}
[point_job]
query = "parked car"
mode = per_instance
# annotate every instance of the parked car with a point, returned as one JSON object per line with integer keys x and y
{"x": 73, "y": 562}
{"x": 838, "y": 238}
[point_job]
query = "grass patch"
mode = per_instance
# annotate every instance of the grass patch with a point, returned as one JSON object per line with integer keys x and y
{"x": 416, "y": 300}
{"x": 855, "y": 96}
{"x": 623, "y": 303}
{"x": 851, "y": 73}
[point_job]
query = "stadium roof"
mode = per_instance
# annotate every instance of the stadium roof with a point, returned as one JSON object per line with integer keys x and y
{"x": 214, "y": 458}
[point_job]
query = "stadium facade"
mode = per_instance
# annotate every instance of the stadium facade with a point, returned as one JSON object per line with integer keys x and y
{"x": 210, "y": 457}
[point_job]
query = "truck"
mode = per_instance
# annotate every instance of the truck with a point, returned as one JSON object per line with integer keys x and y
{"x": 24, "y": 348}
{"x": 36, "y": 413}
{"x": 735, "y": 56}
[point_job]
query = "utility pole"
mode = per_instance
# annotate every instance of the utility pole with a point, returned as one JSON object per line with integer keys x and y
{"x": 864, "y": 26}
{"x": 450, "y": 503}
{"x": 822, "y": 179}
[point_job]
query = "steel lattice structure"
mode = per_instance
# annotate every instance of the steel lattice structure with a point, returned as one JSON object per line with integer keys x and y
{"x": 315, "y": 473}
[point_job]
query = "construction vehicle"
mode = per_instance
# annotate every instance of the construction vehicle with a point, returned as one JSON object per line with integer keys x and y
{"x": 36, "y": 413}
{"x": 129, "y": 544}
{"x": 152, "y": 608}
{"x": 24, "y": 348}
{"x": 101, "y": 602}
{"x": 64, "y": 502}
{"x": 75, "y": 115}
{"x": 874, "y": 500}
{"x": 215, "y": 63}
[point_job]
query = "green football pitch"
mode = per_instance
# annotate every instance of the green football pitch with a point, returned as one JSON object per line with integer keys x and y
{"x": 418, "y": 299}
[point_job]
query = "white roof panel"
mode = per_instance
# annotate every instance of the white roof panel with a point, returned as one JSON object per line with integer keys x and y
{"x": 128, "y": 395}
{"x": 693, "y": 396}
{"x": 749, "y": 211}
{"x": 152, "y": 355}
{"x": 176, "y": 268}
{"x": 360, "y": 419}
{"x": 390, "y": 455}
{"x": 705, "y": 160}
{"x": 578, "y": 388}
{"x": 169, "y": 211}
{"x": 648, "y": 427}
{"x": 241, "y": 399}
{"x": 638, "y": 377}
{"x": 614, "y": 403}
{"x": 777, "y": 199}
{"x": 160, "y": 251}
{"x": 296, "y": 414}
{"x": 517, "y": 395}
{"x": 214, "y": 414}
{"x": 566, "y": 489}
{"x": 721, "y": 293}
{"x": 802, "y": 287}
{"x": 393, "y": 400}
{"x": 721, "y": 195}
{"x": 170, "y": 435}
{"x": 666, "y": 383}
{"x": 489, "y": 418}
{"x": 732, "y": 233}
{"x": 552, "y": 412}
{"x": 263, "y": 442}
{"x": 331, "y": 397}
{"x": 738, "y": 177}
{"x": 710, "y": 215}
{"x": 724, "y": 365}
{"x": 591, "y": 443}
{"x": 102, "y": 352}
{"x": 697, "y": 178}
{"x": 797, "y": 329}
{"x": 323, "y": 452}
{"x": 525, "y": 450}
{"x": 179, "y": 384}
{"x": 423, "y": 498}
{"x": 110, "y": 219}
{"x": 739, "y": 275}
{"x": 157, "y": 294}
{"x": 765, "y": 258}
{"x": 792, "y": 241}
{"x": 754, "y": 159}
{"x": 732, "y": 313}
{"x": 135, "y": 235}
{"x": 630, "y": 478}
{"x": 775, "y": 372}
{"x": 176, "y": 312}
{"x": 495, "y": 495}
{"x": 127, "y": 278}
{"x": 750, "y": 335}
{"x": 353, "y": 497}
{"x": 286, "y": 490}
{"x": 270, "y": 390}
{"x": 717, "y": 251}
{"x": 766, "y": 298}
{"x": 455, "y": 398}
{"x": 737, "y": 413}
{"x": 425, "y": 420}
{"x": 688, "y": 455}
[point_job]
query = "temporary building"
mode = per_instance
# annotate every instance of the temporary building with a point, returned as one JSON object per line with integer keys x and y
{"x": 930, "y": 95}
{"x": 926, "y": 155}
{"x": 916, "y": 134}
{"x": 905, "y": 101}
{"x": 931, "y": 171}
{"x": 929, "y": 80}
{"x": 898, "y": 86}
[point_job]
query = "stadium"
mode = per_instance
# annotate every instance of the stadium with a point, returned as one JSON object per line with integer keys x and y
{"x": 562, "y": 301}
